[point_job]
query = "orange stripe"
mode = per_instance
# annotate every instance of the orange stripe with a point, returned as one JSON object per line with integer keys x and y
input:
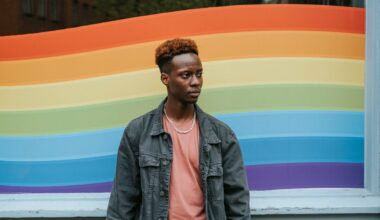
{"x": 212, "y": 47}
{"x": 183, "y": 23}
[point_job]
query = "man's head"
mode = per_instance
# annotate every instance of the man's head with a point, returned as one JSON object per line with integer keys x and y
{"x": 181, "y": 69}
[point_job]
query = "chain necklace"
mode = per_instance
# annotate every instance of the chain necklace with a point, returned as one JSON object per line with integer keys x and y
{"x": 177, "y": 129}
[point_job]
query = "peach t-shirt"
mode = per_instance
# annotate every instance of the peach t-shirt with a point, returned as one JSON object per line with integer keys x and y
{"x": 186, "y": 195}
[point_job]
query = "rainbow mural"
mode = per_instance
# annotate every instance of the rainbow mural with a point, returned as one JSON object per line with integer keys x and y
{"x": 287, "y": 78}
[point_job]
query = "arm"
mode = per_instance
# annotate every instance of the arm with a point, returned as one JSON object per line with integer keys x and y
{"x": 125, "y": 197}
{"x": 236, "y": 192}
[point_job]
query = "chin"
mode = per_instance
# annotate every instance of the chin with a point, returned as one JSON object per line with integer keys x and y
{"x": 191, "y": 101}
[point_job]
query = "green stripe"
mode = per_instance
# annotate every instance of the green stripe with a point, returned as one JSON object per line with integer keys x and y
{"x": 284, "y": 97}
{"x": 214, "y": 101}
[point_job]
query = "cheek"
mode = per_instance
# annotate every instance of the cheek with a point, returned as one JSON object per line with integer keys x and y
{"x": 174, "y": 87}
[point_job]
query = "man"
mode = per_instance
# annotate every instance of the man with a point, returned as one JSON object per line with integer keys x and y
{"x": 177, "y": 162}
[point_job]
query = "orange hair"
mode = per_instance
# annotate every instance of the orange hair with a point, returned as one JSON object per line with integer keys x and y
{"x": 170, "y": 48}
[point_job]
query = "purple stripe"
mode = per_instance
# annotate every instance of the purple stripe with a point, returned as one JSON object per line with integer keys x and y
{"x": 86, "y": 188}
{"x": 305, "y": 175}
{"x": 260, "y": 177}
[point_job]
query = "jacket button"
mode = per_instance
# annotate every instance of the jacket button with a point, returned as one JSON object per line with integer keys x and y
{"x": 165, "y": 136}
{"x": 162, "y": 193}
{"x": 165, "y": 162}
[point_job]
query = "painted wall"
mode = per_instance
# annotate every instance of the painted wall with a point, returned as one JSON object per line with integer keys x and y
{"x": 287, "y": 78}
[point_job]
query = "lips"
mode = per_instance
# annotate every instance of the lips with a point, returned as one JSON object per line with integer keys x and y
{"x": 194, "y": 93}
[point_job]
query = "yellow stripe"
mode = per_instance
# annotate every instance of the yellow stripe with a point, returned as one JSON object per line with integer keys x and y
{"x": 216, "y": 74}
{"x": 212, "y": 47}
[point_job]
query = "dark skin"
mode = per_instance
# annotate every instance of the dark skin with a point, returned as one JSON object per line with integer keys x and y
{"x": 183, "y": 81}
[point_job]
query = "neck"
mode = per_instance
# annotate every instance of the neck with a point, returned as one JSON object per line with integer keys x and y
{"x": 179, "y": 111}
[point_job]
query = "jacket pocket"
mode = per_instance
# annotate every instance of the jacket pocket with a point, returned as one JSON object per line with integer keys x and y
{"x": 215, "y": 182}
{"x": 149, "y": 171}
{"x": 149, "y": 161}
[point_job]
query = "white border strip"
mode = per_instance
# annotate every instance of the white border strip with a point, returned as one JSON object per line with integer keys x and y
{"x": 53, "y": 205}
{"x": 372, "y": 98}
{"x": 297, "y": 201}
{"x": 314, "y": 201}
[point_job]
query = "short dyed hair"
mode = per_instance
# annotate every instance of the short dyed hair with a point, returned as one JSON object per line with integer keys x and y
{"x": 171, "y": 48}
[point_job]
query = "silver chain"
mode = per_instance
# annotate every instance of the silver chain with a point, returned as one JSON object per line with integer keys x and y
{"x": 177, "y": 129}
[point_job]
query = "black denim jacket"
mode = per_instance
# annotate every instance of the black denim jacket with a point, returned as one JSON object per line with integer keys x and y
{"x": 141, "y": 186}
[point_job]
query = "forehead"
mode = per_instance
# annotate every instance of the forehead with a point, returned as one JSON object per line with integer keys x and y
{"x": 186, "y": 60}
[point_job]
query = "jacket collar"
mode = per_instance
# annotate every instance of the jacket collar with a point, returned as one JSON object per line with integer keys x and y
{"x": 205, "y": 125}
{"x": 157, "y": 126}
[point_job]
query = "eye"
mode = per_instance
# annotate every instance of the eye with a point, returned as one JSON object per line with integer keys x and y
{"x": 199, "y": 74}
{"x": 185, "y": 75}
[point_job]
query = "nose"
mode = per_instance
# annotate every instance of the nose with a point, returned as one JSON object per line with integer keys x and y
{"x": 195, "y": 81}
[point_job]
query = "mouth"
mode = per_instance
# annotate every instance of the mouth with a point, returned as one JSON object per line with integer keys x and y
{"x": 195, "y": 93}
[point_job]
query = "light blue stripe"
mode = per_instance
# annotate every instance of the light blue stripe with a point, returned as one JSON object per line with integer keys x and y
{"x": 245, "y": 125}
{"x": 296, "y": 123}
{"x": 58, "y": 173}
{"x": 302, "y": 150}
{"x": 60, "y": 147}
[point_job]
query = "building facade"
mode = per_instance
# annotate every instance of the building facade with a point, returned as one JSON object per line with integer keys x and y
{"x": 29, "y": 16}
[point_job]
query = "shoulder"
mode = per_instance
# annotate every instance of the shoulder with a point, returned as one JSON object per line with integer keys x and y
{"x": 219, "y": 126}
{"x": 141, "y": 120}
{"x": 137, "y": 125}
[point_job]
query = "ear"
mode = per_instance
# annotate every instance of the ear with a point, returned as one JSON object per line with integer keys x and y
{"x": 165, "y": 79}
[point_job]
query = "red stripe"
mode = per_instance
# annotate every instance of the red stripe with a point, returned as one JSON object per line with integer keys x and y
{"x": 183, "y": 23}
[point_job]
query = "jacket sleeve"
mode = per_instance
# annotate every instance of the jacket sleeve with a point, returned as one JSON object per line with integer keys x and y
{"x": 236, "y": 192}
{"x": 125, "y": 199}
